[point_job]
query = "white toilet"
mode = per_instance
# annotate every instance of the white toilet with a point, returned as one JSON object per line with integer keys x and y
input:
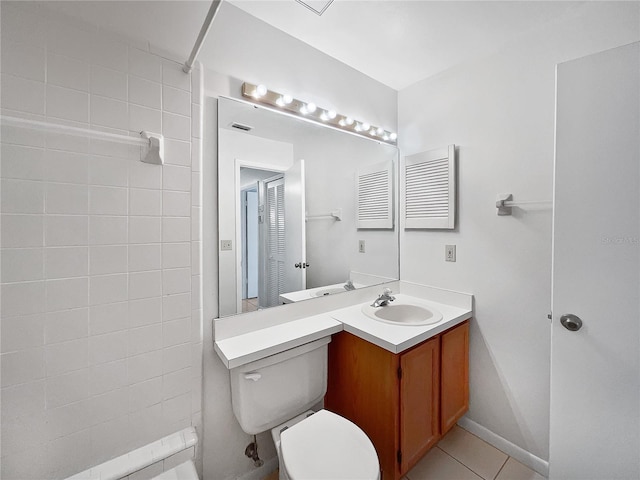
{"x": 277, "y": 392}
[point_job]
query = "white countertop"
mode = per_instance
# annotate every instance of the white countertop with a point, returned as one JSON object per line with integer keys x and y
{"x": 241, "y": 349}
{"x": 248, "y": 347}
{"x": 312, "y": 292}
{"x": 397, "y": 338}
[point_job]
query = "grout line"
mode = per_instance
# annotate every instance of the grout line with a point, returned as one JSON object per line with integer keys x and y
{"x": 505, "y": 462}
{"x": 472, "y": 471}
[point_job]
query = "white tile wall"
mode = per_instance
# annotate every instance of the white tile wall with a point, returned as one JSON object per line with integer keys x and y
{"x": 66, "y": 325}
{"x": 22, "y": 94}
{"x": 22, "y": 162}
{"x": 145, "y": 92}
{"x": 108, "y": 83}
{"x": 67, "y": 72}
{"x": 23, "y": 60}
{"x": 101, "y": 326}
{"x": 67, "y": 104}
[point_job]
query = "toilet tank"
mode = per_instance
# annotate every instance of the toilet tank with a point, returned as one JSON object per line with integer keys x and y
{"x": 269, "y": 391}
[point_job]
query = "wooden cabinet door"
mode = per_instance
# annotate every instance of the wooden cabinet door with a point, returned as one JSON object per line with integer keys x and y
{"x": 363, "y": 387}
{"x": 454, "y": 375}
{"x": 419, "y": 402}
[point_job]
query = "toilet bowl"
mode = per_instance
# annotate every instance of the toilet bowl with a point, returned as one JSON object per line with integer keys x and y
{"x": 276, "y": 392}
{"x": 323, "y": 445}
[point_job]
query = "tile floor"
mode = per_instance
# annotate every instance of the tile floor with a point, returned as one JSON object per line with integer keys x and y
{"x": 249, "y": 305}
{"x": 463, "y": 456}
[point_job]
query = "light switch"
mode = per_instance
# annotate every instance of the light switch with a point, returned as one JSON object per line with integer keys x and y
{"x": 450, "y": 253}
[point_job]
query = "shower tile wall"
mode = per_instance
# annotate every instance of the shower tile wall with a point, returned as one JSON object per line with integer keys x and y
{"x": 101, "y": 346}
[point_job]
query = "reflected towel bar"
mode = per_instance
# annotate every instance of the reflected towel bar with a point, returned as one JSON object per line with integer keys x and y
{"x": 334, "y": 215}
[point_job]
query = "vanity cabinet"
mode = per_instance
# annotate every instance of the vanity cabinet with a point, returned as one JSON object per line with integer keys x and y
{"x": 404, "y": 402}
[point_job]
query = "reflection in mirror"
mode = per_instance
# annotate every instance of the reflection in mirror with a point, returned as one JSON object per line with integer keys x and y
{"x": 304, "y": 210}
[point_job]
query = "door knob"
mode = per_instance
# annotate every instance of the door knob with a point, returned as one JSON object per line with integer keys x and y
{"x": 571, "y": 322}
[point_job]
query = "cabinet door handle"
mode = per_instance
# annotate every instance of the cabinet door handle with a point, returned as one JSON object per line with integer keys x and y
{"x": 252, "y": 376}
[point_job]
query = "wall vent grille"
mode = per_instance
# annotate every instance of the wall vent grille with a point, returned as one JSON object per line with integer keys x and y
{"x": 375, "y": 196}
{"x": 429, "y": 189}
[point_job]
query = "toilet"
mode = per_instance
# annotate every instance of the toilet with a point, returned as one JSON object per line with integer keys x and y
{"x": 277, "y": 392}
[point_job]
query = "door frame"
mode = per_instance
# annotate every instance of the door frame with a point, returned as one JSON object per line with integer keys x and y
{"x": 244, "y": 201}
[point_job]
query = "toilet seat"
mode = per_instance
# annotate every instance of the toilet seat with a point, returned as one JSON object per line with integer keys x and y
{"x": 328, "y": 446}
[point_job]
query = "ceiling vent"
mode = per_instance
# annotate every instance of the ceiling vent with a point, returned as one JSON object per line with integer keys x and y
{"x": 241, "y": 126}
{"x": 316, "y": 6}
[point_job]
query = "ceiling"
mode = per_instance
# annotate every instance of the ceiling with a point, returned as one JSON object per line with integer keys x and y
{"x": 397, "y": 42}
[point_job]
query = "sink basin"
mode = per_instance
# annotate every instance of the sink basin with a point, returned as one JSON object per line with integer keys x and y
{"x": 403, "y": 314}
{"x": 329, "y": 291}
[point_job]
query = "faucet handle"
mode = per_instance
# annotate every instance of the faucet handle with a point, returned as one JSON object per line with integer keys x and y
{"x": 387, "y": 291}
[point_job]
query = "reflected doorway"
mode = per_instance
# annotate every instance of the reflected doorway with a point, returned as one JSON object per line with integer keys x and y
{"x": 251, "y": 212}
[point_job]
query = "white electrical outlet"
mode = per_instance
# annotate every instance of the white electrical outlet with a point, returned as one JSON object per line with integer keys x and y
{"x": 361, "y": 246}
{"x": 226, "y": 245}
{"x": 450, "y": 253}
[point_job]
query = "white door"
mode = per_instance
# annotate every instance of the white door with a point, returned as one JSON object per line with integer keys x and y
{"x": 595, "y": 371}
{"x": 295, "y": 233}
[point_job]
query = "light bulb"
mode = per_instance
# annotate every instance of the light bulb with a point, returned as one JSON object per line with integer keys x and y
{"x": 372, "y": 131}
{"x": 348, "y": 121}
{"x": 342, "y": 122}
{"x": 380, "y": 131}
{"x": 366, "y": 126}
{"x": 385, "y": 138}
{"x": 280, "y": 101}
{"x": 358, "y": 127}
{"x": 393, "y": 136}
{"x": 261, "y": 91}
{"x": 311, "y": 107}
{"x": 287, "y": 99}
{"x": 331, "y": 114}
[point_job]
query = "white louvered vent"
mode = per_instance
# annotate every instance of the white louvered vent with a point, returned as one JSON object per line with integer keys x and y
{"x": 375, "y": 196}
{"x": 429, "y": 189}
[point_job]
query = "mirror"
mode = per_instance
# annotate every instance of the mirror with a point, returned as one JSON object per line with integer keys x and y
{"x": 303, "y": 210}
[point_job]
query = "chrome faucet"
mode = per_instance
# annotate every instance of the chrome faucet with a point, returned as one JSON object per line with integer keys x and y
{"x": 384, "y": 299}
{"x": 349, "y": 286}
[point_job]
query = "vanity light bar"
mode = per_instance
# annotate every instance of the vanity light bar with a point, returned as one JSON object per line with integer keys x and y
{"x": 260, "y": 94}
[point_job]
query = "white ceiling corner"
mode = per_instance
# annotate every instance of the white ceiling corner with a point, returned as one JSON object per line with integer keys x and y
{"x": 396, "y": 42}
{"x": 316, "y": 6}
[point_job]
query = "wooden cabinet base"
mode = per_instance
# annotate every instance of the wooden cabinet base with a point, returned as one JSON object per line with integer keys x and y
{"x": 399, "y": 400}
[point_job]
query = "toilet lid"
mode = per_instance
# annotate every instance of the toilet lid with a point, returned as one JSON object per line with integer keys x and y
{"x": 328, "y": 446}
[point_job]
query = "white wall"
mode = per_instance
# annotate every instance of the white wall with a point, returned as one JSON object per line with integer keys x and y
{"x": 101, "y": 319}
{"x": 261, "y": 54}
{"x": 499, "y": 111}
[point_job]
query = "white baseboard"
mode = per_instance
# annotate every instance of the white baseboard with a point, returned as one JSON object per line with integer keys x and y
{"x": 526, "y": 458}
{"x": 259, "y": 473}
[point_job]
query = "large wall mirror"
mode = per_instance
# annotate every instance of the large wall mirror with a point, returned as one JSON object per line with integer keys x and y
{"x": 303, "y": 210}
